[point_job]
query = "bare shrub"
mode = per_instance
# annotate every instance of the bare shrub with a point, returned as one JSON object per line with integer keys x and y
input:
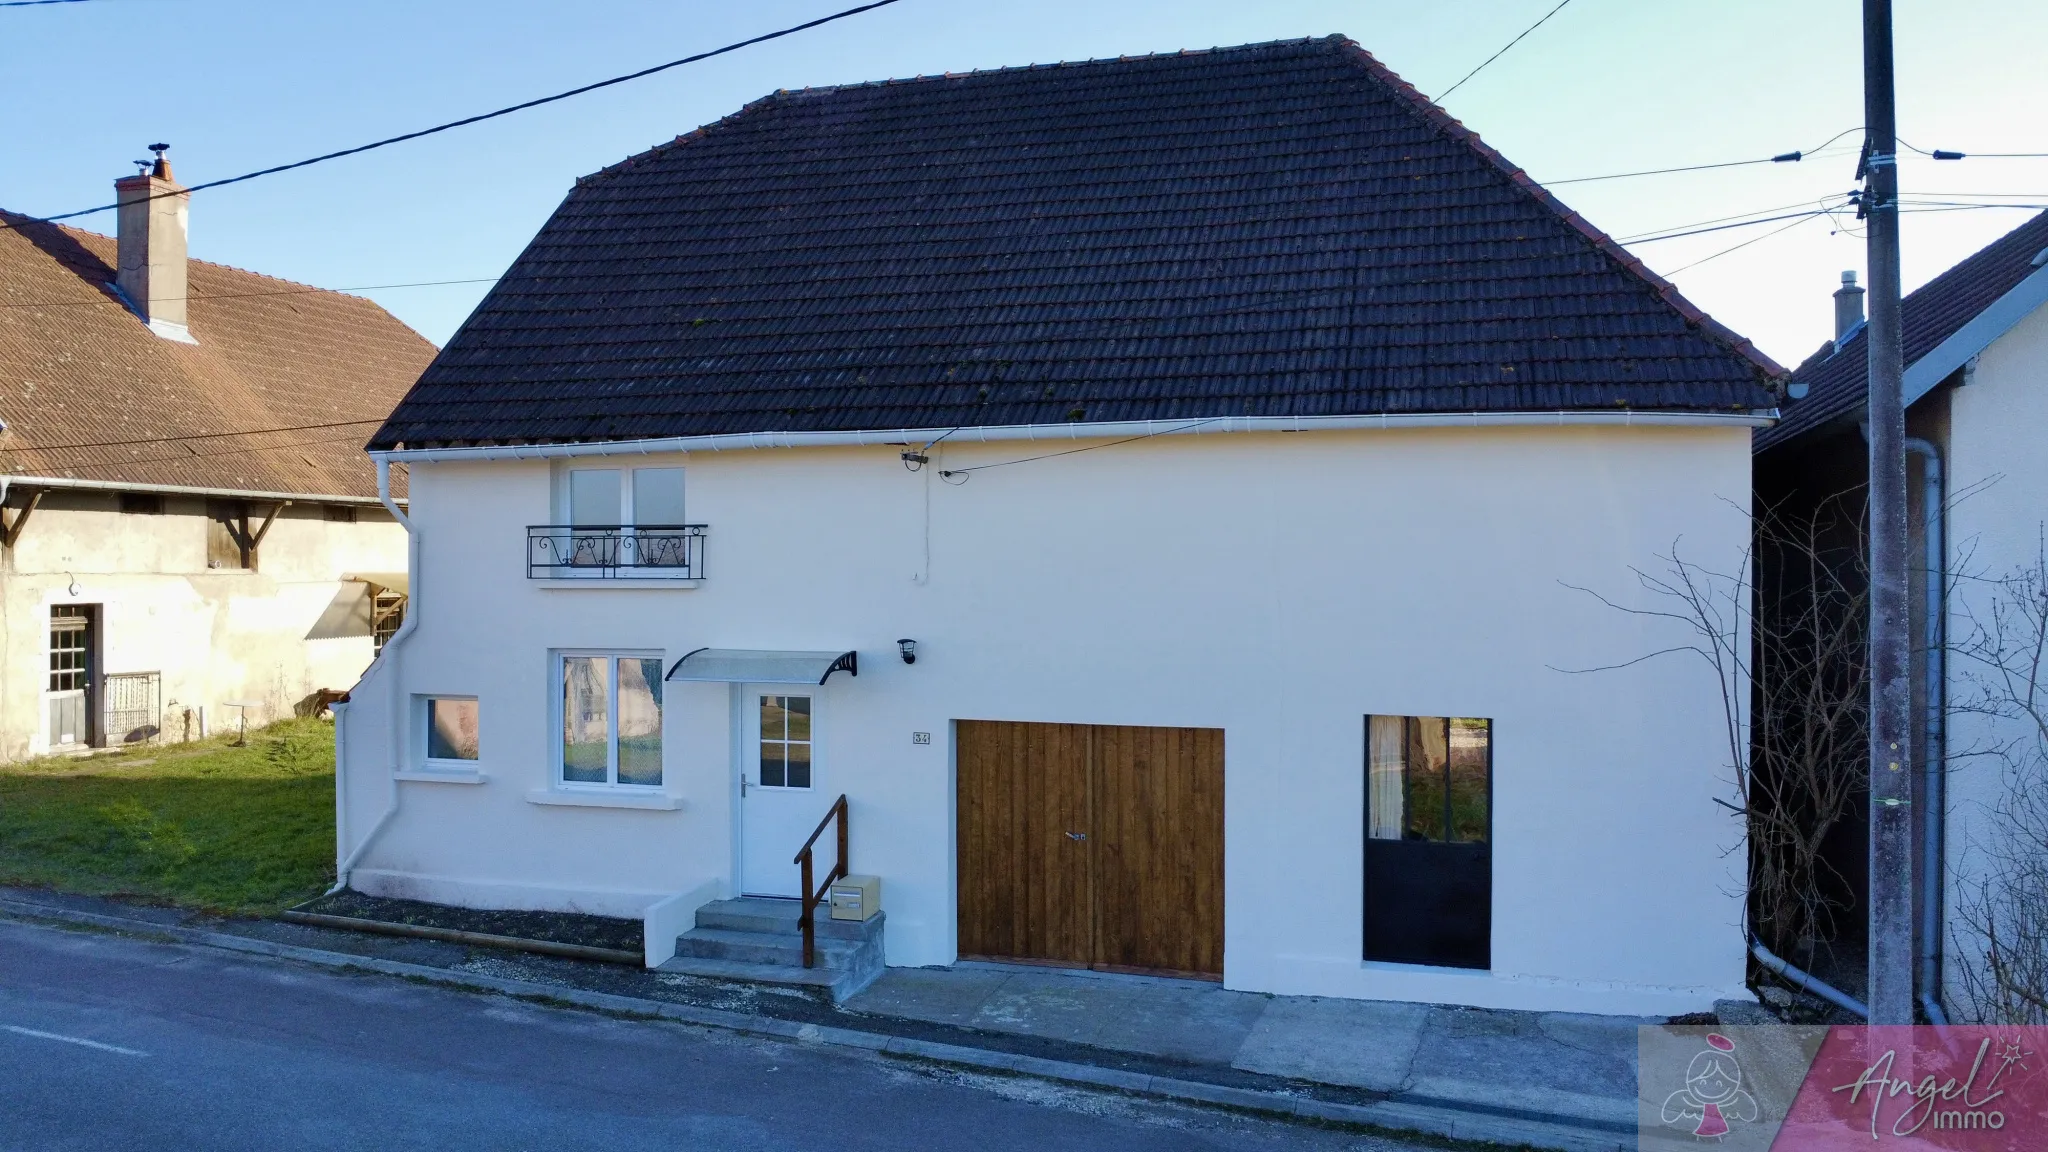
{"x": 1790, "y": 668}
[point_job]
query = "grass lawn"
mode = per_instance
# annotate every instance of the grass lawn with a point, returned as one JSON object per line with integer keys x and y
{"x": 234, "y": 829}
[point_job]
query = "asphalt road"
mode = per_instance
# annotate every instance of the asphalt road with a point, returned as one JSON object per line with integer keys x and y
{"x": 109, "y": 1042}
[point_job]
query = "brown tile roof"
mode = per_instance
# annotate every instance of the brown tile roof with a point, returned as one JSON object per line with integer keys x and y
{"x": 1280, "y": 229}
{"x": 88, "y": 393}
{"x": 1838, "y": 380}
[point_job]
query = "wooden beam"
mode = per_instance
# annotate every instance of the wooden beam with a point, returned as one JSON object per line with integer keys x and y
{"x": 249, "y": 557}
{"x": 256, "y": 541}
{"x": 10, "y": 530}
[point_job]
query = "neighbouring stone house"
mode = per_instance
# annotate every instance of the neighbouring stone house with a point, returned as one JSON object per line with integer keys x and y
{"x": 192, "y": 533}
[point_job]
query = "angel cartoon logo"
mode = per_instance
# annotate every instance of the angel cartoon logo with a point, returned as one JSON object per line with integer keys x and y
{"x": 1713, "y": 1096}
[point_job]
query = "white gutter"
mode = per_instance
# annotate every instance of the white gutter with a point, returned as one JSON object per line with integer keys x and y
{"x": 1079, "y": 431}
{"x": 181, "y": 490}
{"x": 399, "y": 720}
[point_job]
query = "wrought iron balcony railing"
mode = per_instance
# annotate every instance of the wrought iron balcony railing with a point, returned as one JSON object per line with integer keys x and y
{"x": 615, "y": 551}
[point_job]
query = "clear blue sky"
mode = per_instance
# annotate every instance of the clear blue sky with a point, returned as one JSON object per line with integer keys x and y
{"x": 1605, "y": 86}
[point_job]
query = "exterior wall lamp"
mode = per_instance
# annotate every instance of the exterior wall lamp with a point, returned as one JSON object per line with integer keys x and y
{"x": 909, "y": 650}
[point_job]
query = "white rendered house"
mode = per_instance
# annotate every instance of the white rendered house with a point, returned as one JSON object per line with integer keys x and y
{"x": 1169, "y": 551}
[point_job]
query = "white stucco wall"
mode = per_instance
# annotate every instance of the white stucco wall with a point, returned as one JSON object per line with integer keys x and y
{"x": 1995, "y": 455}
{"x": 266, "y": 638}
{"x": 1277, "y": 586}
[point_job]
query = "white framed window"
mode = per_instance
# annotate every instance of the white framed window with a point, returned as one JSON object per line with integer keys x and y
{"x": 610, "y": 709}
{"x": 621, "y": 497}
{"x": 448, "y": 735}
{"x": 614, "y": 521}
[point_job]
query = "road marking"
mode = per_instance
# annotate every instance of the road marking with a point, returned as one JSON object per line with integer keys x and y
{"x": 79, "y": 1040}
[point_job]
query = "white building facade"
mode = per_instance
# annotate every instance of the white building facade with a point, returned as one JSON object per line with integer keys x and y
{"x": 1278, "y": 587}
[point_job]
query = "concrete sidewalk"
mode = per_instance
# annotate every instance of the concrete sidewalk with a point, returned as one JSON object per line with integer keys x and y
{"x": 1554, "y": 1064}
{"x": 1545, "y": 1080}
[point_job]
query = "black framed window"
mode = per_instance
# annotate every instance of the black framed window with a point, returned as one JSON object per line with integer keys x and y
{"x": 1428, "y": 840}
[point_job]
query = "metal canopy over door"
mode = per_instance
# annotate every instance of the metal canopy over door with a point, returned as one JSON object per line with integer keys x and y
{"x": 1091, "y": 846}
{"x": 783, "y": 787}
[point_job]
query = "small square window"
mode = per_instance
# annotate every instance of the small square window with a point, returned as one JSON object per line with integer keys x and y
{"x": 142, "y": 503}
{"x": 451, "y": 728}
{"x": 339, "y": 513}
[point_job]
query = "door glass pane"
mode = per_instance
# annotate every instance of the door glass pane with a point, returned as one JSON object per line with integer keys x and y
{"x": 451, "y": 730}
{"x": 658, "y": 496}
{"x": 1428, "y": 752}
{"x": 594, "y": 496}
{"x": 799, "y": 765}
{"x": 639, "y": 721}
{"x": 586, "y": 719}
{"x": 772, "y": 775}
{"x": 1470, "y": 765}
{"x": 1384, "y": 765}
{"x": 798, "y": 709}
{"x": 774, "y": 726}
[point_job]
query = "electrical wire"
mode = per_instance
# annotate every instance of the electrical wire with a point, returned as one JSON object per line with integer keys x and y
{"x": 1945, "y": 154}
{"x": 302, "y": 291}
{"x": 35, "y": 3}
{"x": 1737, "y": 248}
{"x": 948, "y": 474}
{"x": 1813, "y": 153}
{"x": 1723, "y": 219}
{"x": 506, "y": 111}
{"x": 192, "y": 436}
{"x": 242, "y": 451}
{"x": 1504, "y": 51}
{"x": 1725, "y": 227}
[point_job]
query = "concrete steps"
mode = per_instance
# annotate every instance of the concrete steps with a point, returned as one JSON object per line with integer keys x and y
{"x": 758, "y": 941}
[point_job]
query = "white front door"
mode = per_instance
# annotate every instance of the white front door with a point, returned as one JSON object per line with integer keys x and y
{"x": 783, "y": 790}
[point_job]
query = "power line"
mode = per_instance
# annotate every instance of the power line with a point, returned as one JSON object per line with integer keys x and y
{"x": 506, "y": 111}
{"x": 1504, "y": 51}
{"x": 1725, "y": 227}
{"x": 1741, "y": 216}
{"x": 193, "y": 436}
{"x": 243, "y": 451}
{"x": 35, "y": 3}
{"x": 1737, "y": 247}
{"x": 948, "y": 474}
{"x": 1781, "y": 158}
{"x": 248, "y": 295}
{"x": 1946, "y": 154}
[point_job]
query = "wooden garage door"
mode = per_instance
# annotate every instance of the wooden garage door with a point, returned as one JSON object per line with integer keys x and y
{"x": 1091, "y": 845}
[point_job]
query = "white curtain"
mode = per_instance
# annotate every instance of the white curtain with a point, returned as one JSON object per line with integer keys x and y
{"x": 1384, "y": 763}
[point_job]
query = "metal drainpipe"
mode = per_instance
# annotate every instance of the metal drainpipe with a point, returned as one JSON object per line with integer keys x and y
{"x": 1933, "y": 755}
{"x": 1806, "y": 981}
{"x": 347, "y": 864}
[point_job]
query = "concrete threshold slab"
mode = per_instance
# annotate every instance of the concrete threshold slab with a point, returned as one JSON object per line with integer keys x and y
{"x": 1445, "y": 1119}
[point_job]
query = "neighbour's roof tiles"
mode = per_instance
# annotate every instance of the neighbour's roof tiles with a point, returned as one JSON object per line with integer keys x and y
{"x": 88, "y": 393}
{"x": 1281, "y": 229}
{"x": 1838, "y": 382}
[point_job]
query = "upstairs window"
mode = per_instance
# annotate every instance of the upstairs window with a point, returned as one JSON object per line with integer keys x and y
{"x": 617, "y": 522}
{"x": 625, "y": 497}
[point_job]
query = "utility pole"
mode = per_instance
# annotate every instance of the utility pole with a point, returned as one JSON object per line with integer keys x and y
{"x": 1891, "y": 698}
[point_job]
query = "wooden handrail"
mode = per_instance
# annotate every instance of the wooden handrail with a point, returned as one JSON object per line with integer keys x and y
{"x": 814, "y": 897}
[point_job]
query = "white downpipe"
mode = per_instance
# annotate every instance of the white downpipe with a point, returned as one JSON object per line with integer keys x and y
{"x": 387, "y": 662}
{"x": 1083, "y": 431}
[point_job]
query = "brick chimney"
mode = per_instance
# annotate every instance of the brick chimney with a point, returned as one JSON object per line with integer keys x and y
{"x": 151, "y": 276}
{"x": 1848, "y": 309}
